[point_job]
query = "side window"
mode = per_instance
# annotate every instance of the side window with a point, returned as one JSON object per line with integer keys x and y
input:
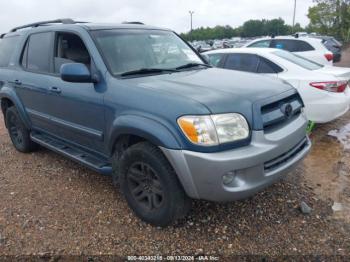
{"x": 288, "y": 45}
{"x": 36, "y": 55}
{"x": 292, "y": 45}
{"x": 7, "y": 47}
{"x": 268, "y": 67}
{"x": 215, "y": 59}
{"x": 303, "y": 46}
{"x": 263, "y": 43}
{"x": 69, "y": 48}
{"x": 242, "y": 62}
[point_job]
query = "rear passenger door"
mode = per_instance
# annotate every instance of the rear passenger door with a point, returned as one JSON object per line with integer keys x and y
{"x": 34, "y": 80}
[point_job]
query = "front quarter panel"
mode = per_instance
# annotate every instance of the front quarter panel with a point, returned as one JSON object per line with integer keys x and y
{"x": 142, "y": 126}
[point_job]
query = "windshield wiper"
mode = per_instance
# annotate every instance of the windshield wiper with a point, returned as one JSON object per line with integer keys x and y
{"x": 190, "y": 65}
{"x": 144, "y": 71}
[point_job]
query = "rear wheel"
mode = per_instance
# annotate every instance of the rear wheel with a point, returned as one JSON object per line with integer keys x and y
{"x": 19, "y": 134}
{"x": 151, "y": 186}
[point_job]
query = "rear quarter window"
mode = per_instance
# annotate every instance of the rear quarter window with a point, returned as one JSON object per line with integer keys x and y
{"x": 7, "y": 48}
{"x": 268, "y": 67}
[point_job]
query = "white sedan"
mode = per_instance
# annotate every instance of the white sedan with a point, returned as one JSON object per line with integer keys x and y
{"x": 324, "y": 89}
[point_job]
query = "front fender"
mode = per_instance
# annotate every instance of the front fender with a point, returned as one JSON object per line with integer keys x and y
{"x": 152, "y": 130}
{"x": 9, "y": 93}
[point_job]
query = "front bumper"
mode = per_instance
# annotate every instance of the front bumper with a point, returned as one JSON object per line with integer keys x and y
{"x": 265, "y": 160}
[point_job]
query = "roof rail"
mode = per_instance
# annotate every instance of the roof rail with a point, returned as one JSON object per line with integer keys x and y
{"x": 57, "y": 21}
{"x": 133, "y": 23}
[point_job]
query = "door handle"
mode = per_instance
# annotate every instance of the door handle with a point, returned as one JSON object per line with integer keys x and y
{"x": 55, "y": 89}
{"x": 18, "y": 82}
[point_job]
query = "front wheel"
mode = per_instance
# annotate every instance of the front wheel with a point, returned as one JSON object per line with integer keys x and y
{"x": 151, "y": 186}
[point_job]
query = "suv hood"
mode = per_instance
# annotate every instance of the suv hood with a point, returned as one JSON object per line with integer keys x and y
{"x": 220, "y": 90}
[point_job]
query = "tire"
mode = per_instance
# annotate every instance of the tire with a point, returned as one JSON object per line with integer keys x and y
{"x": 19, "y": 134}
{"x": 151, "y": 186}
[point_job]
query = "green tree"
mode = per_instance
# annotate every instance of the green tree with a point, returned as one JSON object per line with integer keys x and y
{"x": 330, "y": 17}
{"x": 253, "y": 28}
{"x": 250, "y": 28}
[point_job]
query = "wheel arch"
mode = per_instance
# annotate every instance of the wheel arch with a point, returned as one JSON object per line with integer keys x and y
{"x": 8, "y": 98}
{"x": 139, "y": 128}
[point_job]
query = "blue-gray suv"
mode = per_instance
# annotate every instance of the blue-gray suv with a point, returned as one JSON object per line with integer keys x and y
{"x": 139, "y": 103}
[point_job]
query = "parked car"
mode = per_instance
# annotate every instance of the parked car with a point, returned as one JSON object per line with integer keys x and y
{"x": 204, "y": 47}
{"x": 324, "y": 89}
{"x": 138, "y": 103}
{"x": 310, "y": 48}
{"x": 332, "y": 45}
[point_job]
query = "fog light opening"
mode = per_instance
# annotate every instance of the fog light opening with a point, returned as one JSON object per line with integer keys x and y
{"x": 228, "y": 178}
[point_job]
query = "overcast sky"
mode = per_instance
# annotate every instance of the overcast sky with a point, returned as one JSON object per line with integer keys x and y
{"x": 164, "y": 13}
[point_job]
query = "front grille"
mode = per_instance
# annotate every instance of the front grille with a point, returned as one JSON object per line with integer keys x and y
{"x": 273, "y": 114}
{"x": 286, "y": 157}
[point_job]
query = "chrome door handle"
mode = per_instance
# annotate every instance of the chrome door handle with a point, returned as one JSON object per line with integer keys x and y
{"x": 18, "y": 82}
{"x": 55, "y": 90}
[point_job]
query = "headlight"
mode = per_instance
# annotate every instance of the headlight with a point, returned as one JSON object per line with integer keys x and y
{"x": 214, "y": 129}
{"x": 230, "y": 127}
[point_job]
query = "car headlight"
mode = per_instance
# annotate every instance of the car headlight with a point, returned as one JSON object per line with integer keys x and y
{"x": 214, "y": 129}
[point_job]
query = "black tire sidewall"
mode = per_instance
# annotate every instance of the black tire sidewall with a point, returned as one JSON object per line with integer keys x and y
{"x": 25, "y": 146}
{"x": 170, "y": 186}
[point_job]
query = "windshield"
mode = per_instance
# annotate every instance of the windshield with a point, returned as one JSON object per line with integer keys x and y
{"x": 127, "y": 50}
{"x": 298, "y": 60}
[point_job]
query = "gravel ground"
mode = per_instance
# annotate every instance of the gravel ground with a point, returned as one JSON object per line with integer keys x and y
{"x": 52, "y": 206}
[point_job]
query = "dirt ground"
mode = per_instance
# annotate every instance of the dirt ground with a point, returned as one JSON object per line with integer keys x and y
{"x": 52, "y": 206}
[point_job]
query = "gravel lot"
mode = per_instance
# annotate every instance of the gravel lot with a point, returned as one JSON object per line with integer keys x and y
{"x": 52, "y": 206}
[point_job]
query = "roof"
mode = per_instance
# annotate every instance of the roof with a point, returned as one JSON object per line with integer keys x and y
{"x": 100, "y": 26}
{"x": 69, "y": 23}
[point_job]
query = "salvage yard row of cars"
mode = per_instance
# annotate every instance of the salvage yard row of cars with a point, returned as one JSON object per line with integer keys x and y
{"x": 140, "y": 104}
{"x": 310, "y": 45}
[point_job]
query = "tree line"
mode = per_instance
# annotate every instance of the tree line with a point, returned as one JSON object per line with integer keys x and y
{"x": 331, "y": 17}
{"x": 327, "y": 17}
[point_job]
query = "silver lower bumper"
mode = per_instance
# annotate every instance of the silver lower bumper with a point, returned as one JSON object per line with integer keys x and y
{"x": 265, "y": 160}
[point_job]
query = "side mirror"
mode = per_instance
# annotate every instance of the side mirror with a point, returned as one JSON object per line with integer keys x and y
{"x": 75, "y": 73}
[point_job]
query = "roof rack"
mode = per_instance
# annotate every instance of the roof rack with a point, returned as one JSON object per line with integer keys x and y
{"x": 133, "y": 23}
{"x": 57, "y": 21}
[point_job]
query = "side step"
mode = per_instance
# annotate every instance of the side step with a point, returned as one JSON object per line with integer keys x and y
{"x": 89, "y": 160}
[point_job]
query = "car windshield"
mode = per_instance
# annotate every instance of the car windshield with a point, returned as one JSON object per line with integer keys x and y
{"x": 298, "y": 60}
{"x": 127, "y": 50}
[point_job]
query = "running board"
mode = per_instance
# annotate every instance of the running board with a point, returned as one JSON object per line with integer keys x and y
{"x": 76, "y": 154}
